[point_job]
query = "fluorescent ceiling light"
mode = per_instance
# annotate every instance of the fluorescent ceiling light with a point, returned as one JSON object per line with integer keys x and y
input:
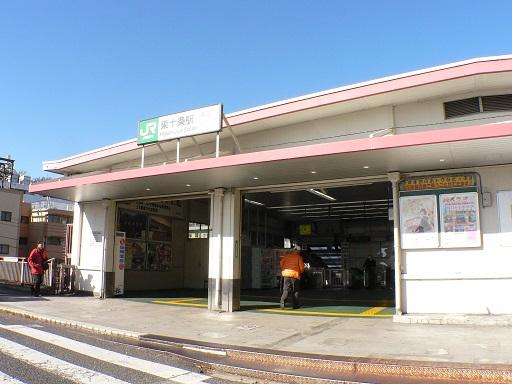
{"x": 254, "y": 202}
{"x": 321, "y": 194}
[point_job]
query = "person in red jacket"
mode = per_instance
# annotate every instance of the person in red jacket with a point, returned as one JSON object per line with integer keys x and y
{"x": 292, "y": 267}
{"x": 36, "y": 259}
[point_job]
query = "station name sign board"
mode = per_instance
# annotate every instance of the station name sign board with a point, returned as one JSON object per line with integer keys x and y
{"x": 183, "y": 124}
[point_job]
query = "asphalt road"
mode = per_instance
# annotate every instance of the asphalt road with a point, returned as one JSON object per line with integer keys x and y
{"x": 32, "y": 352}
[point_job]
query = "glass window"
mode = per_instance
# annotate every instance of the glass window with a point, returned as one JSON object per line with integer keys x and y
{"x": 57, "y": 219}
{"x": 4, "y": 249}
{"x": 6, "y": 216}
{"x": 24, "y": 220}
{"x": 54, "y": 240}
{"x": 23, "y": 240}
{"x": 198, "y": 231}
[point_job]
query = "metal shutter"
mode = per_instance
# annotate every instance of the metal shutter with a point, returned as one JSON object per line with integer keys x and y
{"x": 497, "y": 103}
{"x": 463, "y": 107}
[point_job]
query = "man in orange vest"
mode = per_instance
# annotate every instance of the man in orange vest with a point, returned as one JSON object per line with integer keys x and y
{"x": 292, "y": 267}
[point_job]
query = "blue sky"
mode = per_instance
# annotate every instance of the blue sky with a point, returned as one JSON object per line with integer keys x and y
{"x": 78, "y": 75}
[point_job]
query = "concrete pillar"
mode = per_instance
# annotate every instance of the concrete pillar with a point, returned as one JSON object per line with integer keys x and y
{"x": 77, "y": 234}
{"x": 394, "y": 178}
{"x": 224, "y": 253}
{"x": 93, "y": 246}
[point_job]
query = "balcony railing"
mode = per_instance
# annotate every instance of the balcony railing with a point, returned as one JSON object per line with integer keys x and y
{"x": 50, "y": 204}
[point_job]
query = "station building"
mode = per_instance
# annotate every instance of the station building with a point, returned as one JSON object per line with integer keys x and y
{"x": 401, "y": 184}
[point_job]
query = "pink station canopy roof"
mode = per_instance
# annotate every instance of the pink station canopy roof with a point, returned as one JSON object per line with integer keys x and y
{"x": 459, "y": 147}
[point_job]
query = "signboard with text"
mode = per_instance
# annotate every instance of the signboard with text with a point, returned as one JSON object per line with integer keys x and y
{"x": 119, "y": 262}
{"x": 438, "y": 182}
{"x": 182, "y": 124}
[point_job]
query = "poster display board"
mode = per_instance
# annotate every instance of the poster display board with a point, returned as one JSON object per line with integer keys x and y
{"x": 418, "y": 222}
{"x": 148, "y": 240}
{"x": 504, "y": 202}
{"x": 460, "y": 221}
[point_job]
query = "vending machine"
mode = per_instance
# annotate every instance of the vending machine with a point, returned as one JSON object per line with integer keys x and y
{"x": 119, "y": 262}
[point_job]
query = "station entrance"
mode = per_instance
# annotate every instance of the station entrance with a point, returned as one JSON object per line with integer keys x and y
{"x": 346, "y": 236}
{"x": 166, "y": 244}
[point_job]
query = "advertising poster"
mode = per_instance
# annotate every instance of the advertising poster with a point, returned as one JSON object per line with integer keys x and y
{"x": 159, "y": 228}
{"x": 159, "y": 256}
{"x": 418, "y": 222}
{"x": 460, "y": 222}
{"x": 504, "y": 201}
{"x": 268, "y": 272}
{"x": 135, "y": 255}
{"x": 133, "y": 224}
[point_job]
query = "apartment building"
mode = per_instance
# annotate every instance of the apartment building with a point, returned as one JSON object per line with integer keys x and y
{"x": 48, "y": 222}
{"x": 10, "y": 207}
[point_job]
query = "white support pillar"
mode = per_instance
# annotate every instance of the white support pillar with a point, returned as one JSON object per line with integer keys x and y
{"x": 77, "y": 234}
{"x": 224, "y": 255}
{"x": 394, "y": 178}
{"x": 95, "y": 246}
{"x": 217, "y": 144}
{"x": 105, "y": 204}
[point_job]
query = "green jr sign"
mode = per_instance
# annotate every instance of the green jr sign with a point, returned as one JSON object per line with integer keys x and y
{"x": 183, "y": 124}
{"x": 148, "y": 131}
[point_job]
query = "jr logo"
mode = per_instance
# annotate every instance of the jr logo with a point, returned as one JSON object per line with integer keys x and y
{"x": 148, "y": 129}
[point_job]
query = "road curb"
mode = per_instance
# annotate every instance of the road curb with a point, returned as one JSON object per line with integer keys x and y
{"x": 336, "y": 368}
{"x": 331, "y": 367}
{"x": 72, "y": 324}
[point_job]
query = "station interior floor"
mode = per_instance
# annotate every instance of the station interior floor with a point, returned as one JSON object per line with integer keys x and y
{"x": 333, "y": 302}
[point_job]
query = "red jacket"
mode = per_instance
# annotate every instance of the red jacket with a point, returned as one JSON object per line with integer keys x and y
{"x": 35, "y": 261}
{"x": 292, "y": 265}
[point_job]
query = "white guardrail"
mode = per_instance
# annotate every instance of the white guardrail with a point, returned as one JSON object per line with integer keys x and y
{"x": 19, "y": 272}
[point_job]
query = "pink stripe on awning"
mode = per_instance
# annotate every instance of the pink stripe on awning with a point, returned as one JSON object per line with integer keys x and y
{"x": 308, "y": 151}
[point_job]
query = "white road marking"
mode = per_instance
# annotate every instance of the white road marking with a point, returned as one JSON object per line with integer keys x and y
{"x": 161, "y": 370}
{"x": 51, "y": 364}
{"x": 6, "y": 379}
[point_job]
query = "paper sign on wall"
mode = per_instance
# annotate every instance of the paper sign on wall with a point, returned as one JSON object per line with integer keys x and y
{"x": 418, "y": 222}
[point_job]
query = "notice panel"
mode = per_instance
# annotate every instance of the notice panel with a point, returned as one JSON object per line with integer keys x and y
{"x": 418, "y": 222}
{"x": 460, "y": 221}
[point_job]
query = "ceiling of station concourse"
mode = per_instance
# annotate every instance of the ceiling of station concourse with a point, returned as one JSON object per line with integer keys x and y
{"x": 364, "y": 200}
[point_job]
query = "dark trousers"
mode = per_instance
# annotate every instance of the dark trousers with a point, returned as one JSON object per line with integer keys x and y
{"x": 37, "y": 280}
{"x": 290, "y": 285}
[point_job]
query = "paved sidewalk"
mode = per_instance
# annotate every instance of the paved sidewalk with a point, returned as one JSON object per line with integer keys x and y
{"x": 351, "y": 337}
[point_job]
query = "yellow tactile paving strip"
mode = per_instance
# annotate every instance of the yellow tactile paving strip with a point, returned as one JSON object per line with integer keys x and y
{"x": 330, "y": 313}
{"x": 372, "y": 312}
{"x": 184, "y": 302}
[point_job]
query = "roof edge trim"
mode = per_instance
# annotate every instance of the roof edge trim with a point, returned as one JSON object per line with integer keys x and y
{"x": 388, "y": 84}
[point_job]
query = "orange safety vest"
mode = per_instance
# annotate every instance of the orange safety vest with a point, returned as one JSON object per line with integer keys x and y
{"x": 292, "y": 265}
